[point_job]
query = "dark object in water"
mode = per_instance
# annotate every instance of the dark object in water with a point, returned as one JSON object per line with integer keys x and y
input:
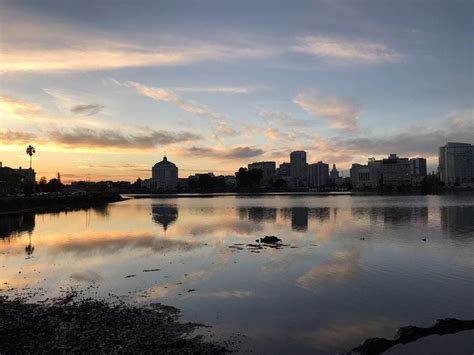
{"x": 374, "y": 346}
{"x": 362, "y": 238}
{"x": 191, "y": 290}
{"x": 424, "y": 239}
{"x": 150, "y": 270}
{"x": 129, "y": 276}
{"x": 270, "y": 239}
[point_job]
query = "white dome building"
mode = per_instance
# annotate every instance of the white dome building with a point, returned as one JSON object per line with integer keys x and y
{"x": 164, "y": 175}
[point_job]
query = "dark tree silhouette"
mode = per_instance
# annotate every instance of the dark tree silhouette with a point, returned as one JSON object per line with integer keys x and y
{"x": 30, "y": 150}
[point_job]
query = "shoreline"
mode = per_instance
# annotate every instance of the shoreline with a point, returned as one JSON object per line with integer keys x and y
{"x": 286, "y": 193}
{"x": 55, "y": 203}
{"x": 85, "y": 325}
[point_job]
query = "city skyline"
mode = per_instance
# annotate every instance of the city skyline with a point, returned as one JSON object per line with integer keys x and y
{"x": 105, "y": 97}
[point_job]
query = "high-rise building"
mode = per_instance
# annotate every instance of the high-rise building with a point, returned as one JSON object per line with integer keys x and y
{"x": 299, "y": 167}
{"x": 418, "y": 167}
{"x": 396, "y": 171}
{"x": 318, "y": 174}
{"x": 268, "y": 168}
{"x": 392, "y": 171}
{"x": 284, "y": 169}
{"x": 456, "y": 164}
{"x": 361, "y": 176}
{"x": 334, "y": 173}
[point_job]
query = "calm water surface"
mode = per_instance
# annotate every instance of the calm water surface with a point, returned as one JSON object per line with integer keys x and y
{"x": 324, "y": 293}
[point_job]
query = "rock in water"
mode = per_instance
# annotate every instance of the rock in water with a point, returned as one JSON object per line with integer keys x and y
{"x": 270, "y": 239}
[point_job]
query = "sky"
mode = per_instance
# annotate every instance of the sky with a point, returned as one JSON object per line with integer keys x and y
{"x": 104, "y": 89}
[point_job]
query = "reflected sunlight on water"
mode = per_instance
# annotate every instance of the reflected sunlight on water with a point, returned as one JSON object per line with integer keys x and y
{"x": 354, "y": 267}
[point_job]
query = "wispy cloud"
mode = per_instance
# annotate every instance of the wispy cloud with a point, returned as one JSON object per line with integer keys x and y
{"x": 168, "y": 96}
{"x": 217, "y": 89}
{"x": 345, "y": 51}
{"x": 342, "y": 113}
{"x": 26, "y": 47}
{"x": 239, "y": 152}
{"x": 109, "y": 138}
{"x": 280, "y": 118}
{"x": 86, "y": 110}
{"x": 9, "y": 137}
{"x": 15, "y": 105}
{"x": 221, "y": 126}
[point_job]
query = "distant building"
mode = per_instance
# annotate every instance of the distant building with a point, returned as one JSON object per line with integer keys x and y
{"x": 418, "y": 170}
{"x": 456, "y": 164}
{"x": 396, "y": 171}
{"x": 268, "y": 168}
{"x": 392, "y": 171}
{"x": 418, "y": 167}
{"x": 284, "y": 169}
{"x": 164, "y": 175}
{"x": 318, "y": 174}
{"x": 26, "y": 175}
{"x": 334, "y": 173}
{"x": 361, "y": 176}
{"x": 299, "y": 167}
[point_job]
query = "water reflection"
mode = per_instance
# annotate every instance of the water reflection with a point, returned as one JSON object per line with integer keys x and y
{"x": 325, "y": 292}
{"x": 458, "y": 220}
{"x": 164, "y": 215}
{"x": 13, "y": 225}
{"x": 258, "y": 214}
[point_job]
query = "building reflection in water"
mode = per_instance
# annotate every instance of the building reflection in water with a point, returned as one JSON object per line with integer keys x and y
{"x": 392, "y": 215}
{"x": 299, "y": 218}
{"x": 457, "y": 220}
{"x": 261, "y": 214}
{"x": 164, "y": 215}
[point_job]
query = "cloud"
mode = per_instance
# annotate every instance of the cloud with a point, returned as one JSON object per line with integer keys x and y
{"x": 168, "y": 96}
{"x": 228, "y": 153}
{"x": 86, "y": 110}
{"x": 26, "y": 46}
{"x": 222, "y": 127}
{"x": 413, "y": 140}
{"x": 15, "y": 105}
{"x": 109, "y": 138}
{"x": 219, "y": 89}
{"x": 9, "y": 137}
{"x": 344, "y": 51}
{"x": 280, "y": 118}
{"x": 340, "y": 112}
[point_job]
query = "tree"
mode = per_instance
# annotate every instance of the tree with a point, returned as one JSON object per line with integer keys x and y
{"x": 242, "y": 178}
{"x": 30, "y": 150}
{"x": 255, "y": 177}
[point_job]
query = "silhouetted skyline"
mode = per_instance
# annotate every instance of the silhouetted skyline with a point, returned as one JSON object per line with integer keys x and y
{"x": 107, "y": 96}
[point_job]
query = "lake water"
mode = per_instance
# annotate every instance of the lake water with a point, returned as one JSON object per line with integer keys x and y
{"x": 354, "y": 266}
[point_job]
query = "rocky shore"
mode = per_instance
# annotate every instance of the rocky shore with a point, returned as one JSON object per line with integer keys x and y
{"x": 56, "y": 203}
{"x": 408, "y": 334}
{"x": 68, "y": 325}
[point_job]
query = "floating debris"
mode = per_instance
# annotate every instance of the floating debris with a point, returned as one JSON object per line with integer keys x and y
{"x": 151, "y": 270}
